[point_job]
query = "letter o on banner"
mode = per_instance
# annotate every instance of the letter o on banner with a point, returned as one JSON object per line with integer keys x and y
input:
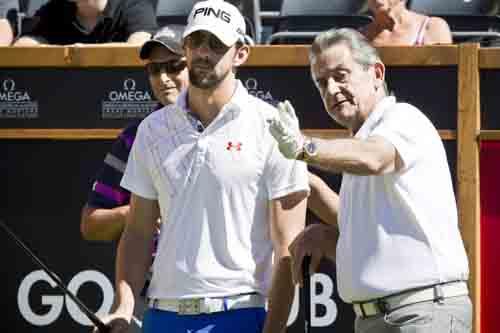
{"x": 75, "y": 284}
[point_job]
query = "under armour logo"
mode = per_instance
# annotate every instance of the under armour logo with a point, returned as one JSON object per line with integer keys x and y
{"x": 203, "y": 330}
{"x": 234, "y": 145}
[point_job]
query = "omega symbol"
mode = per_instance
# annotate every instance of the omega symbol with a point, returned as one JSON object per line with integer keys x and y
{"x": 129, "y": 84}
{"x": 8, "y": 85}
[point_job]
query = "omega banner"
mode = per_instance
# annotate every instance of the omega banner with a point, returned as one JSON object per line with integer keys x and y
{"x": 44, "y": 183}
{"x": 109, "y": 98}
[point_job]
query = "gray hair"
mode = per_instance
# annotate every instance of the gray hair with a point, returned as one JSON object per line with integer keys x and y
{"x": 362, "y": 51}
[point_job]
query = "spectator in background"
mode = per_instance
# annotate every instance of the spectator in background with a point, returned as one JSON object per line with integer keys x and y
{"x": 8, "y": 11}
{"x": 104, "y": 215}
{"x": 395, "y": 24}
{"x": 64, "y": 22}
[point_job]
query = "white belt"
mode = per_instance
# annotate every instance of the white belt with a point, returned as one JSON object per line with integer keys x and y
{"x": 389, "y": 303}
{"x": 195, "y": 306}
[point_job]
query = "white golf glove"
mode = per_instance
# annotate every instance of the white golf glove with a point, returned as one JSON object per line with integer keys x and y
{"x": 285, "y": 130}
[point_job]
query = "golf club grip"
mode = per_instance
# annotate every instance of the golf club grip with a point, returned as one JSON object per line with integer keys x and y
{"x": 92, "y": 316}
{"x": 103, "y": 328}
{"x": 306, "y": 293}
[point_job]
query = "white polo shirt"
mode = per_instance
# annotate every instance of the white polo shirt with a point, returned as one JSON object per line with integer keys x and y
{"x": 213, "y": 188}
{"x": 399, "y": 230}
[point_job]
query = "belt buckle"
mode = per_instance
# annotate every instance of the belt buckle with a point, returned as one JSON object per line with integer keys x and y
{"x": 362, "y": 308}
{"x": 382, "y": 305}
{"x": 359, "y": 309}
{"x": 375, "y": 307}
{"x": 191, "y": 306}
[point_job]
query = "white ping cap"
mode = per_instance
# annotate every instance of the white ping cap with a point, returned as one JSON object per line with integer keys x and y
{"x": 219, "y": 18}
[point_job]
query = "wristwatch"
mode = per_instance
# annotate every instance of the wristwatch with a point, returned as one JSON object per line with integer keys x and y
{"x": 309, "y": 150}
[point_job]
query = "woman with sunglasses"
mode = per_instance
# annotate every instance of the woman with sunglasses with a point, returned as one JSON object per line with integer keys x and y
{"x": 105, "y": 213}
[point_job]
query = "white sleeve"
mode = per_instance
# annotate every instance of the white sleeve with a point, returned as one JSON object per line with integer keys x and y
{"x": 284, "y": 176}
{"x": 407, "y": 129}
{"x": 138, "y": 177}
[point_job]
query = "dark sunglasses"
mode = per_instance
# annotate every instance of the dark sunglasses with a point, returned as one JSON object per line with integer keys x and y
{"x": 196, "y": 39}
{"x": 169, "y": 67}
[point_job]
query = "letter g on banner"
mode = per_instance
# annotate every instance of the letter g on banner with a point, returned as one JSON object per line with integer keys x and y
{"x": 56, "y": 302}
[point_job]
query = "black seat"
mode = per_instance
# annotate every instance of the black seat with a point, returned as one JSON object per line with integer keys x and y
{"x": 250, "y": 10}
{"x": 469, "y": 20}
{"x": 300, "y": 21}
{"x": 29, "y": 7}
{"x": 270, "y": 5}
{"x": 27, "y": 11}
{"x": 173, "y": 11}
{"x": 269, "y": 15}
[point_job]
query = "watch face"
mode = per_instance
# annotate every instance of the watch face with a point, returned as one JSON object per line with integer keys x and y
{"x": 310, "y": 148}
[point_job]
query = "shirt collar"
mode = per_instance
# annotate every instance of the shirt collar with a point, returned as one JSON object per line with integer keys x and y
{"x": 235, "y": 104}
{"x": 375, "y": 116}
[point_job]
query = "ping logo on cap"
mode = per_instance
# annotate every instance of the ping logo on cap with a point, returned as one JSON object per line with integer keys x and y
{"x": 219, "y": 13}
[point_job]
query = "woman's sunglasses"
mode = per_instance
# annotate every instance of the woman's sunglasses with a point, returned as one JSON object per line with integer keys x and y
{"x": 169, "y": 67}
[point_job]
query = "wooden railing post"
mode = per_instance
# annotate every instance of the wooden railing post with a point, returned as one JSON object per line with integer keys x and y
{"x": 468, "y": 127}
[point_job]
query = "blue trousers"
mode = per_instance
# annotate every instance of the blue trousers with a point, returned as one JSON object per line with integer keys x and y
{"x": 240, "y": 320}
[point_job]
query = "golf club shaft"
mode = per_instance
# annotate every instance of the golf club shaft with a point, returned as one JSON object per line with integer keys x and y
{"x": 92, "y": 317}
{"x": 306, "y": 293}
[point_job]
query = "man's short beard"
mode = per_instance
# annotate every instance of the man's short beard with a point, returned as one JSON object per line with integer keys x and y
{"x": 206, "y": 82}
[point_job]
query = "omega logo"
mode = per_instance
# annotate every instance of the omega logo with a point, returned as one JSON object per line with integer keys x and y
{"x": 9, "y": 93}
{"x": 9, "y": 85}
{"x": 129, "y": 84}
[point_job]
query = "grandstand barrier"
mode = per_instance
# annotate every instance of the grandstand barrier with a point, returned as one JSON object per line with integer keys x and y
{"x": 61, "y": 107}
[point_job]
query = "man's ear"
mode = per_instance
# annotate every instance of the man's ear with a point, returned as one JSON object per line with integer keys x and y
{"x": 241, "y": 55}
{"x": 379, "y": 71}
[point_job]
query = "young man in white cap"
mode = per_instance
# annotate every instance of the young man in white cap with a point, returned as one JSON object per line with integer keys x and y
{"x": 104, "y": 215}
{"x": 228, "y": 198}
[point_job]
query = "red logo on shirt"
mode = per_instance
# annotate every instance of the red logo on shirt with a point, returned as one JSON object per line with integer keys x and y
{"x": 234, "y": 146}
